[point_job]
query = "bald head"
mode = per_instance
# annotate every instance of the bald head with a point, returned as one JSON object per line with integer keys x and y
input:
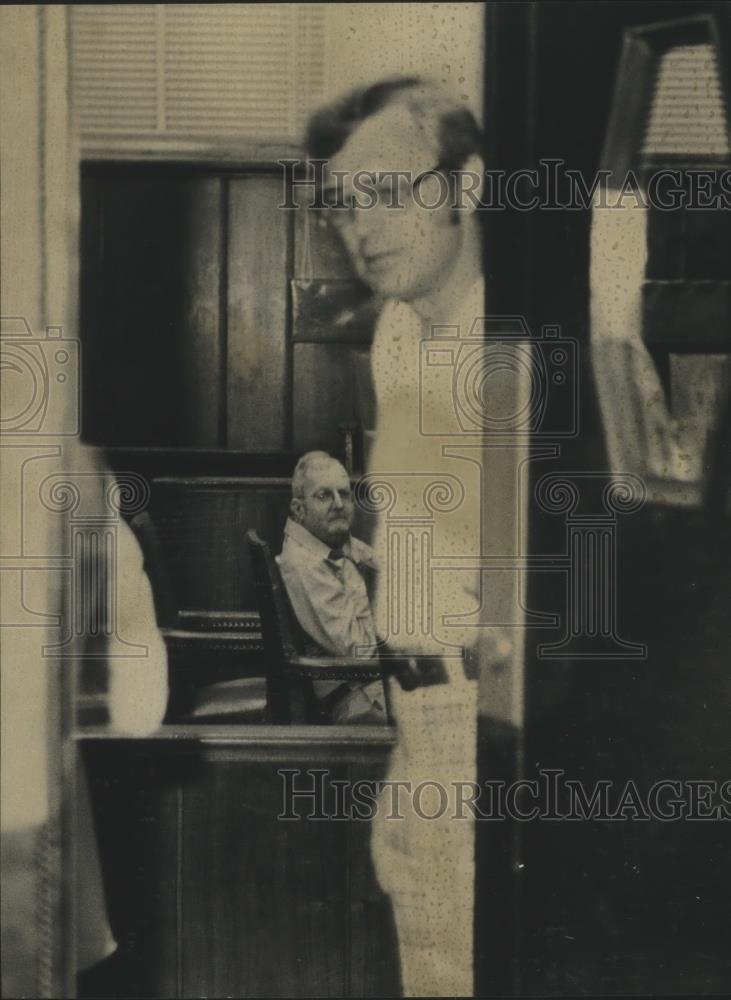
{"x": 321, "y": 498}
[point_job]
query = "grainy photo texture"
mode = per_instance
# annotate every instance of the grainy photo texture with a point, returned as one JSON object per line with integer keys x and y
{"x": 366, "y": 499}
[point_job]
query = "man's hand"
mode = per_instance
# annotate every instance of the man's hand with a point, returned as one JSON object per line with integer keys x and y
{"x": 417, "y": 671}
{"x": 494, "y": 647}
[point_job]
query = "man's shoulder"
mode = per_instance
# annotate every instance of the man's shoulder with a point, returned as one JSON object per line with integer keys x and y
{"x": 300, "y": 549}
{"x": 363, "y": 554}
{"x": 131, "y": 556}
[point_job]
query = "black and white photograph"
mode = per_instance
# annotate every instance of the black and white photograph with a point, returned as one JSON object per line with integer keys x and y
{"x": 365, "y": 463}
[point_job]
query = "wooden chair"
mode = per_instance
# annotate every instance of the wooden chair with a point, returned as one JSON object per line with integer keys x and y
{"x": 208, "y": 663}
{"x": 290, "y": 671}
{"x": 156, "y": 569}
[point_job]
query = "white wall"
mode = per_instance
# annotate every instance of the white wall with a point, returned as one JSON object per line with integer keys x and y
{"x": 372, "y": 40}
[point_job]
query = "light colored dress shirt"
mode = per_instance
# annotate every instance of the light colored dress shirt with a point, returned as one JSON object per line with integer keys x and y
{"x": 329, "y": 597}
{"x": 427, "y": 867}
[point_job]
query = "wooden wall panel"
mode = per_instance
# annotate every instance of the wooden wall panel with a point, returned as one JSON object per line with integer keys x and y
{"x": 199, "y": 343}
{"x": 195, "y": 284}
{"x": 263, "y": 900}
{"x": 150, "y": 323}
{"x": 202, "y": 529}
{"x": 323, "y": 395}
{"x": 258, "y": 263}
{"x": 211, "y": 894}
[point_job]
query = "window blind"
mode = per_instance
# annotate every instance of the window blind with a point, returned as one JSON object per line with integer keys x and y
{"x": 687, "y": 110}
{"x": 171, "y": 73}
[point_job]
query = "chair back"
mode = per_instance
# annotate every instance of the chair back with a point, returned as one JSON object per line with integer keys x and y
{"x": 166, "y": 611}
{"x": 281, "y": 632}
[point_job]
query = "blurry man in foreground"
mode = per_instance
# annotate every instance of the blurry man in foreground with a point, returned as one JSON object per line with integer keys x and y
{"x": 415, "y": 238}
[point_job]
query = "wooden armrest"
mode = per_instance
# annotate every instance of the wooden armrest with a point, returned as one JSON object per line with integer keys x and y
{"x": 230, "y": 642}
{"x": 334, "y": 668}
{"x": 219, "y": 621}
{"x": 410, "y": 672}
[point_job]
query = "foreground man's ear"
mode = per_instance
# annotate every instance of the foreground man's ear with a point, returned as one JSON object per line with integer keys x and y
{"x": 472, "y": 184}
{"x": 297, "y": 509}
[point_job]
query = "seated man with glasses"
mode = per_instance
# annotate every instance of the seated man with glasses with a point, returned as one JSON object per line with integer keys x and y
{"x": 324, "y": 569}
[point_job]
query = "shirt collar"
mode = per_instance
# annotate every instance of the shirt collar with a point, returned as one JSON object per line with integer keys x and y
{"x": 298, "y": 533}
{"x": 357, "y": 551}
{"x": 473, "y": 305}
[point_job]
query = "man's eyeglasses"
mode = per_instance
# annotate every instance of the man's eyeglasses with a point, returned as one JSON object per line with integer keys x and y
{"x": 328, "y": 496}
{"x": 389, "y": 190}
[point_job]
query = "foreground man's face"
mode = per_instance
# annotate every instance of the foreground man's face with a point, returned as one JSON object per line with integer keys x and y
{"x": 402, "y": 252}
{"x": 326, "y": 509}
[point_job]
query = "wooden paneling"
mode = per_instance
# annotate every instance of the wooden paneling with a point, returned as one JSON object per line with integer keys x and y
{"x": 202, "y": 527}
{"x": 195, "y": 284}
{"x": 258, "y": 252}
{"x": 150, "y": 309}
{"x": 275, "y": 893}
{"x": 211, "y": 894}
{"x": 199, "y": 342}
{"x": 323, "y": 395}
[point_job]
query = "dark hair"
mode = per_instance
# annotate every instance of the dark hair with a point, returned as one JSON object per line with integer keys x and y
{"x": 430, "y": 104}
